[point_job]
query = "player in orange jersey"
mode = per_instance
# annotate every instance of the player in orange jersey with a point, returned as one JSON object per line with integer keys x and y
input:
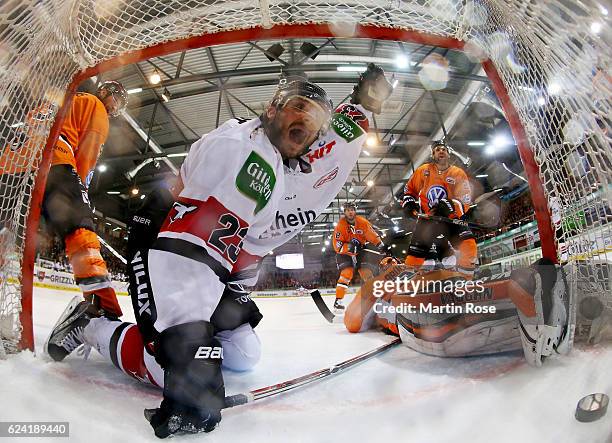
{"x": 351, "y": 235}
{"x": 440, "y": 189}
{"x": 66, "y": 205}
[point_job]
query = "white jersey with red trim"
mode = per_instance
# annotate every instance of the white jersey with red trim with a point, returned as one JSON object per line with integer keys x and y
{"x": 307, "y": 194}
{"x": 233, "y": 180}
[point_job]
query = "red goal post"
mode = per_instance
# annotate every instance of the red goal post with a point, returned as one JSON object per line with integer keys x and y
{"x": 547, "y": 63}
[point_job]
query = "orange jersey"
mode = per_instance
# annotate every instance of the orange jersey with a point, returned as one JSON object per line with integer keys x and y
{"x": 20, "y": 154}
{"x": 428, "y": 186}
{"x": 84, "y": 131}
{"x": 362, "y": 230}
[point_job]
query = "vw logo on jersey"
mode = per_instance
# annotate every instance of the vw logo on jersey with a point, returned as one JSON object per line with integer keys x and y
{"x": 434, "y": 194}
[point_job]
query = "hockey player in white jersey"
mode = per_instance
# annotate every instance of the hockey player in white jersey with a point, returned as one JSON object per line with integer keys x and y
{"x": 312, "y": 180}
{"x": 231, "y": 183}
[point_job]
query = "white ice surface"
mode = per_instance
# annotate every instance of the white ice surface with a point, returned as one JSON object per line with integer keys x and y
{"x": 399, "y": 396}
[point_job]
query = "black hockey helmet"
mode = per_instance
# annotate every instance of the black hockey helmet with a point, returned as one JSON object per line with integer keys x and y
{"x": 302, "y": 88}
{"x": 436, "y": 143}
{"x": 288, "y": 90}
{"x": 117, "y": 90}
{"x": 350, "y": 205}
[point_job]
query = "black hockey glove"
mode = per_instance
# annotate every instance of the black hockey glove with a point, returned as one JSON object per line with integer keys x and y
{"x": 355, "y": 246}
{"x": 172, "y": 418}
{"x": 194, "y": 392}
{"x": 411, "y": 206}
{"x": 372, "y": 89}
{"x": 444, "y": 208}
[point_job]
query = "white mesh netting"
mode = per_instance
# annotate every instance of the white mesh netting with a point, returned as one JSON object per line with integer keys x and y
{"x": 553, "y": 58}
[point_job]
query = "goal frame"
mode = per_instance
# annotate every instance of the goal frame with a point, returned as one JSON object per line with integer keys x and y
{"x": 283, "y": 31}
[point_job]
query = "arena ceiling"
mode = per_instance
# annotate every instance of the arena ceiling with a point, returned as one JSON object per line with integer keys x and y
{"x": 438, "y": 91}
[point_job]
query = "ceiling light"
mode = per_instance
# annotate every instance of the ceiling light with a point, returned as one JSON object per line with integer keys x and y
{"x": 482, "y": 175}
{"x": 322, "y": 249}
{"x": 17, "y": 125}
{"x": 113, "y": 192}
{"x": 366, "y": 152}
{"x": 134, "y": 191}
{"x": 403, "y": 251}
{"x": 603, "y": 10}
{"x": 134, "y": 90}
{"x": 401, "y": 61}
{"x": 372, "y": 140}
{"x": 142, "y": 197}
{"x": 392, "y": 141}
{"x": 178, "y": 154}
{"x": 102, "y": 167}
{"x": 541, "y": 101}
{"x": 155, "y": 78}
{"x": 326, "y": 242}
{"x": 595, "y": 27}
{"x": 335, "y": 224}
{"x": 370, "y": 183}
{"x": 166, "y": 95}
{"x": 271, "y": 252}
{"x": 395, "y": 83}
{"x": 351, "y": 68}
{"x": 476, "y": 143}
{"x": 393, "y": 245}
{"x": 351, "y": 189}
{"x": 395, "y": 228}
{"x": 490, "y": 150}
{"x": 499, "y": 141}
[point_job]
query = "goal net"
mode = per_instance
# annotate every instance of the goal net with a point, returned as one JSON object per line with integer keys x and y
{"x": 548, "y": 62}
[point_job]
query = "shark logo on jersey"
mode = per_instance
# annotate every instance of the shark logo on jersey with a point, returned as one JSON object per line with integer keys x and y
{"x": 434, "y": 194}
{"x": 181, "y": 211}
{"x": 326, "y": 178}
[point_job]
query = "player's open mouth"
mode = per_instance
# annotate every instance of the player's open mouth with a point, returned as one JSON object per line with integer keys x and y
{"x": 298, "y": 135}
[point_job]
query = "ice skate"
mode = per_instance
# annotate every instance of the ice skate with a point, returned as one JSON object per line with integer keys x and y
{"x": 338, "y": 307}
{"x": 67, "y": 334}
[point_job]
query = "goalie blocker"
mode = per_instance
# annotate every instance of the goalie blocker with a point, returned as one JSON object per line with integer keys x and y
{"x": 529, "y": 308}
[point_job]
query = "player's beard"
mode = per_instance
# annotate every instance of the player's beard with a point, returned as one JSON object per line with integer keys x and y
{"x": 441, "y": 163}
{"x": 299, "y": 138}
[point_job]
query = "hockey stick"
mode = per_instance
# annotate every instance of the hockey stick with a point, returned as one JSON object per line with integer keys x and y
{"x": 321, "y": 306}
{"x": 112, "y": 250}
{"x": 268, "y": 391}
{"x": 455, "y": 221}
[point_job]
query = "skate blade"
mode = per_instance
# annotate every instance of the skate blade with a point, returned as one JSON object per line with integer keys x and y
{"x": 62, "y": 318}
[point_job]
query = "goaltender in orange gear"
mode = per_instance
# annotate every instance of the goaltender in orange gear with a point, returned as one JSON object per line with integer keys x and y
{"x": 66, "y": 208}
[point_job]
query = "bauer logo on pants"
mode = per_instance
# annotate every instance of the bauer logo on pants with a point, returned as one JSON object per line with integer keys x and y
{"x": 256, "y": 180}
{"x": 214, "y": 352}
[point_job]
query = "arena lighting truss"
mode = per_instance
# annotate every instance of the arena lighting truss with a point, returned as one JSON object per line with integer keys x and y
{"x": 548, "y": 62}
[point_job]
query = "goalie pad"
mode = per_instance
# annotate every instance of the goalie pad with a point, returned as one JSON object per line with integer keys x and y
{"x": 456, "y": 323}
{"x": 546, "y": 310}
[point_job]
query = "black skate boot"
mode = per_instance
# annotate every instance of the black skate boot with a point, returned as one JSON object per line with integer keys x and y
{"x": 339, "y": 307}
{"x": 67, "y": 334}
